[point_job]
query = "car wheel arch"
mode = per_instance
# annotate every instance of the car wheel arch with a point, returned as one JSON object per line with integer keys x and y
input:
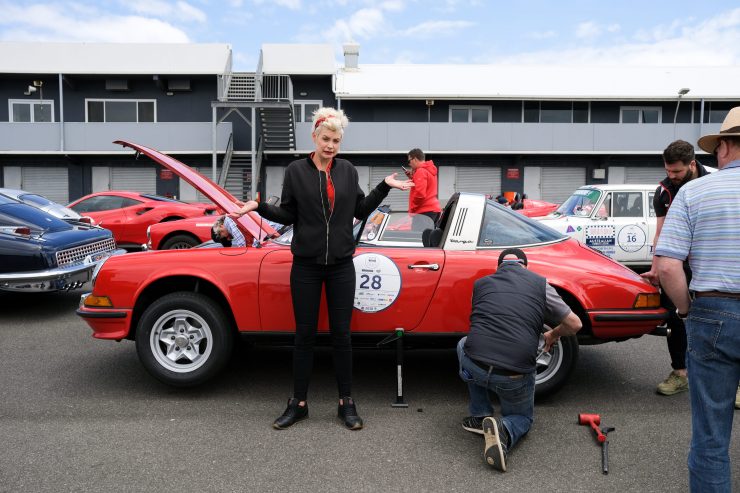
{"x": 175, "y": 234}
{"x": 164, "y": 286}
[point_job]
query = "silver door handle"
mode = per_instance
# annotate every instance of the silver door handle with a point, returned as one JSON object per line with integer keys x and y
{"x": 424, "y": 266}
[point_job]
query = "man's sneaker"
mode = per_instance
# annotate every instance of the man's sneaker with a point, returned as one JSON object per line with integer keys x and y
{"x": 473, "y": 424}
{"x": 497, "y": 443}
{"x": 737, "y": 398}
{"x": 673, "y": 384}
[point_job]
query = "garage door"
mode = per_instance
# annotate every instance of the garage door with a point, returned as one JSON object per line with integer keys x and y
{"x": 51, "y": 182}
{"x": 207, "y": 172}
{"x": 557, "y": 184}
{"x": 485, "y": 180}
{"x": 642, "y": 175}
{"x": 398, "y": 200}
{"x": 142, "y": 180}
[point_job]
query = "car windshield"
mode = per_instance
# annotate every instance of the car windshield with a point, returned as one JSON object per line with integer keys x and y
{"x": 36, "y": 200}
{"x": 374, "y": 221}
{"x": 503, "y": 227}
{"x": 580, "y": 204}
{"x": 14, "y": 215}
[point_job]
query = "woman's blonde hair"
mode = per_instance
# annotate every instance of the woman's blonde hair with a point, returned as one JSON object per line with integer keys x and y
{"x": 330, "y": 119}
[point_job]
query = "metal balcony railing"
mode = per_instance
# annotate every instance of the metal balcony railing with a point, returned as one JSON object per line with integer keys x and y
{"x": 254, "y": 87}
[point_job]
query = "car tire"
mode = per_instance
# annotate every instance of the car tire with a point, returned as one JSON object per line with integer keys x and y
{"x": 184, "y": 339}
{"x": 553, "y": 368}
{"x": 179, "y": 242}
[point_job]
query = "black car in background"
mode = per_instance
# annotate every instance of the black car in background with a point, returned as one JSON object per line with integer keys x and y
{"x": 40, "y": 252}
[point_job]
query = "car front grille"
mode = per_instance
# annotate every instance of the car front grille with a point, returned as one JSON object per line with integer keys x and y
{"x": 77, "y": 254}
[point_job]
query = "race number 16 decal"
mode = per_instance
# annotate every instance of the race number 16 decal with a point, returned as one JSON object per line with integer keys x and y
{"x": 377, "y": 282}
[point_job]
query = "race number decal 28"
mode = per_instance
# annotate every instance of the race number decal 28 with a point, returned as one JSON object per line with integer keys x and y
{"x": 377, "y": 282}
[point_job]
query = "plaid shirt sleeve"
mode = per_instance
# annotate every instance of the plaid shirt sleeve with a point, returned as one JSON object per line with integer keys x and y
{"x": 237, "y": 238}
{"x": 675, "y": 237}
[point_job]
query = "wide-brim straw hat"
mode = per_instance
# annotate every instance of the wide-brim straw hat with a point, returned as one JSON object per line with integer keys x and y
{"x": 730, "y": 128}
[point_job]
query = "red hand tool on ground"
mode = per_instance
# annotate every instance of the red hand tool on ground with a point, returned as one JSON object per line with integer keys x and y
{"x": 594, "y": 420}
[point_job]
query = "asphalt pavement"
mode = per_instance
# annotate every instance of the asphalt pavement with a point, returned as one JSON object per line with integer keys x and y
{"x": 79, "y": 414}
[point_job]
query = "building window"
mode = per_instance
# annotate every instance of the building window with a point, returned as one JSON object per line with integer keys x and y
{"x": 21, "y": 110}
{"x": 470, "y": 114}
{"x": 637, "y": 114}
{"x": 555, "y": 112}
{"x": 120, "y": 110}
{"x": 304, "y": 109}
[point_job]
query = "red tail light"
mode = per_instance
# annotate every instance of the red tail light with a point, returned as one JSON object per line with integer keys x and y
{"x": 86, "y": 220}
{"x": 23, "y": 230}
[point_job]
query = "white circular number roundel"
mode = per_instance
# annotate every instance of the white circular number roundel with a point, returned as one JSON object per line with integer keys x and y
{"x": 631, "y": 238}
{"x": 377, "y": 282}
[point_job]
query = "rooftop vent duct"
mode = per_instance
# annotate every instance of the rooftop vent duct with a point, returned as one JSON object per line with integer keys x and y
{"x": 351, "y": 55}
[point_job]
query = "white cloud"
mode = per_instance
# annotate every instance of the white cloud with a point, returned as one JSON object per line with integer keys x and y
{"x": 179, "y": 10}
{"x": 54, "y": 23}
{"x": 291, "y": 4}
{"x": 715, "y": 41}
{"x": 362, "y": 24}
{"x": 590, "y": 29}
{"x": 431, "y": 29}
{"x": 542, "y": 35}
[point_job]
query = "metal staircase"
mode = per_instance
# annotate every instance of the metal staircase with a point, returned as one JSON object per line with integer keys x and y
{"x": 269, "y": 98}
{"x": 238, "y": 181}
{"x": 277, "y": 128}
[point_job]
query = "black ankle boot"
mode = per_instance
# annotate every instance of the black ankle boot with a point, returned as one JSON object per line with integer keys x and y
{"x": 347, "y": 412}
{"x": 293, "y": 414}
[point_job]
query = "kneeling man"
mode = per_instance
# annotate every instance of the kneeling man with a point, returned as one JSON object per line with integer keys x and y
{"x": 510, "y": 308}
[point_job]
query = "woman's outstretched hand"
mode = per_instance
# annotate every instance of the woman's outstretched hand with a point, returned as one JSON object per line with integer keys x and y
{"x": 248, "y": 206}
{"x": 392, "y": 182}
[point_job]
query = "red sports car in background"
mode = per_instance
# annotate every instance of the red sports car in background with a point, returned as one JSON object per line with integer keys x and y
{"x": 537, "y": 208}
{"x": 184, "y": 309}
{"x": 129, "y": 214}
{"x": 179, "y": 235}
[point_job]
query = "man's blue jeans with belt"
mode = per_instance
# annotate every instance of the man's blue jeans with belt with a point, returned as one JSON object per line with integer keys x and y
{"x": 515, "y": 394}
{"x": 713, "y": 363}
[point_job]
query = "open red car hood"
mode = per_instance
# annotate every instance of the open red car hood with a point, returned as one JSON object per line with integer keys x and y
{"x": 250, "y": 223}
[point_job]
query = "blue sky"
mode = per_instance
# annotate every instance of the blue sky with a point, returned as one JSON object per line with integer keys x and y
{"x": 660, "y": 32}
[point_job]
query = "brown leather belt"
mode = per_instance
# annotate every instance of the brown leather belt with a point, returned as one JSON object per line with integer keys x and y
{"x": 716, "y": 294}
{"x": 494, "y": 370}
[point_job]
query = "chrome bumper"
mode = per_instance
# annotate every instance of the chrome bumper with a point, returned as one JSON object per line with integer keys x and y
{"x": 57, "y": 279}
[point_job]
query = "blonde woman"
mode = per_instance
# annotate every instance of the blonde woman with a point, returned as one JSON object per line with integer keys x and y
{"x": 321, "y": 195}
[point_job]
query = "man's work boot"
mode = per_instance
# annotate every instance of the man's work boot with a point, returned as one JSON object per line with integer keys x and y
{"x": 674, "y": 384}
{"x": 497, "y": 443}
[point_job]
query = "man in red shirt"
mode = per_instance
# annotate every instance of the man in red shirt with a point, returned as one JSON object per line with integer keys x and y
{"x": 423, "y": 196}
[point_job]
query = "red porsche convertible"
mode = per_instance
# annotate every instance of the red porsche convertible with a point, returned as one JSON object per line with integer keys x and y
{"x": 184, "y": 308}
{"x": 128, "y": 214}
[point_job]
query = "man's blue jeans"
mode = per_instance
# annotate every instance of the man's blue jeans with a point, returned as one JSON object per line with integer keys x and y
{"x": 515, "y": 395}
{"x": 713, "y": 364}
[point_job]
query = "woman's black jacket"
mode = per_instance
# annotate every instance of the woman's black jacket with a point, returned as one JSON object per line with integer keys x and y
{"x": 320, "y": 234}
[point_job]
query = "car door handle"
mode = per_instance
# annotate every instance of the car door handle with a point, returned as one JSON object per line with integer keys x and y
{"x": 424, "y": 266}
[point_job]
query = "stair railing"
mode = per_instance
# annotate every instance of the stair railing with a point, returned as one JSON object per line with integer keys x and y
{"x": 227, "y": 162}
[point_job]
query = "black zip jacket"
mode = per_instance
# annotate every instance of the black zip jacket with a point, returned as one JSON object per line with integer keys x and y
{"x": 320, "y": 234}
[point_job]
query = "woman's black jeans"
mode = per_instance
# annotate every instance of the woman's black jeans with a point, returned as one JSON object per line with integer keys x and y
{"x": 306, "y": 280}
